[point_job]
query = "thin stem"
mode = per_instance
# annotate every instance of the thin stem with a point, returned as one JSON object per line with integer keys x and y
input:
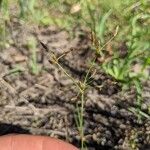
{"x": 82, "y": 122}
{"x": 73, "y": 80}
{"x": 116, "y": 32}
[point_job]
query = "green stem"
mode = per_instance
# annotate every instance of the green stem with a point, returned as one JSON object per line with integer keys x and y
{"x": 82, "y": 122}
{"x": 73, "y": 80}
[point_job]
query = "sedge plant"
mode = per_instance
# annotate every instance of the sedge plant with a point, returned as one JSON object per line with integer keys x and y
{"x": 81, "y": 88}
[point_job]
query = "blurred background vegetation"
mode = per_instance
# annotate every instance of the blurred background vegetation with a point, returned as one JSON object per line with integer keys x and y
{"x": 130, "y": 17}
{"x": 102, "y": 16}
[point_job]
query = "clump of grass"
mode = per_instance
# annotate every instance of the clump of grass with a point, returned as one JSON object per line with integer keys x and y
{"x": 4, "y": 7}
{"x": 120, "y": 63}
{"x": 42, "y": 12}
{"x": 31, "y": 45}
{"x": 30, "y": 10}
{"x": 4, "y": 17}
{"x": 81, "y": 87}
{"x": 26, "y": 7}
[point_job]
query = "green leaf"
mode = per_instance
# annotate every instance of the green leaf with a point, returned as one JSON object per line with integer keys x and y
{"x": 116, "y": 71}
{"x": 102, "y": 25}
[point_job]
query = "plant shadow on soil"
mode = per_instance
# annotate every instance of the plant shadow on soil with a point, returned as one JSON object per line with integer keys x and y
{"x": 12, "y": 129}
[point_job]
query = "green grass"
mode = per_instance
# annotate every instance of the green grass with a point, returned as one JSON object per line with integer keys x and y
{"x": 81, "y": 87}
{"x": 33, "y": 65}
{"x": 133, "y": 34}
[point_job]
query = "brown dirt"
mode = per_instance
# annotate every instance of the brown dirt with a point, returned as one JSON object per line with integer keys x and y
{"x": 45, "y": 104}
